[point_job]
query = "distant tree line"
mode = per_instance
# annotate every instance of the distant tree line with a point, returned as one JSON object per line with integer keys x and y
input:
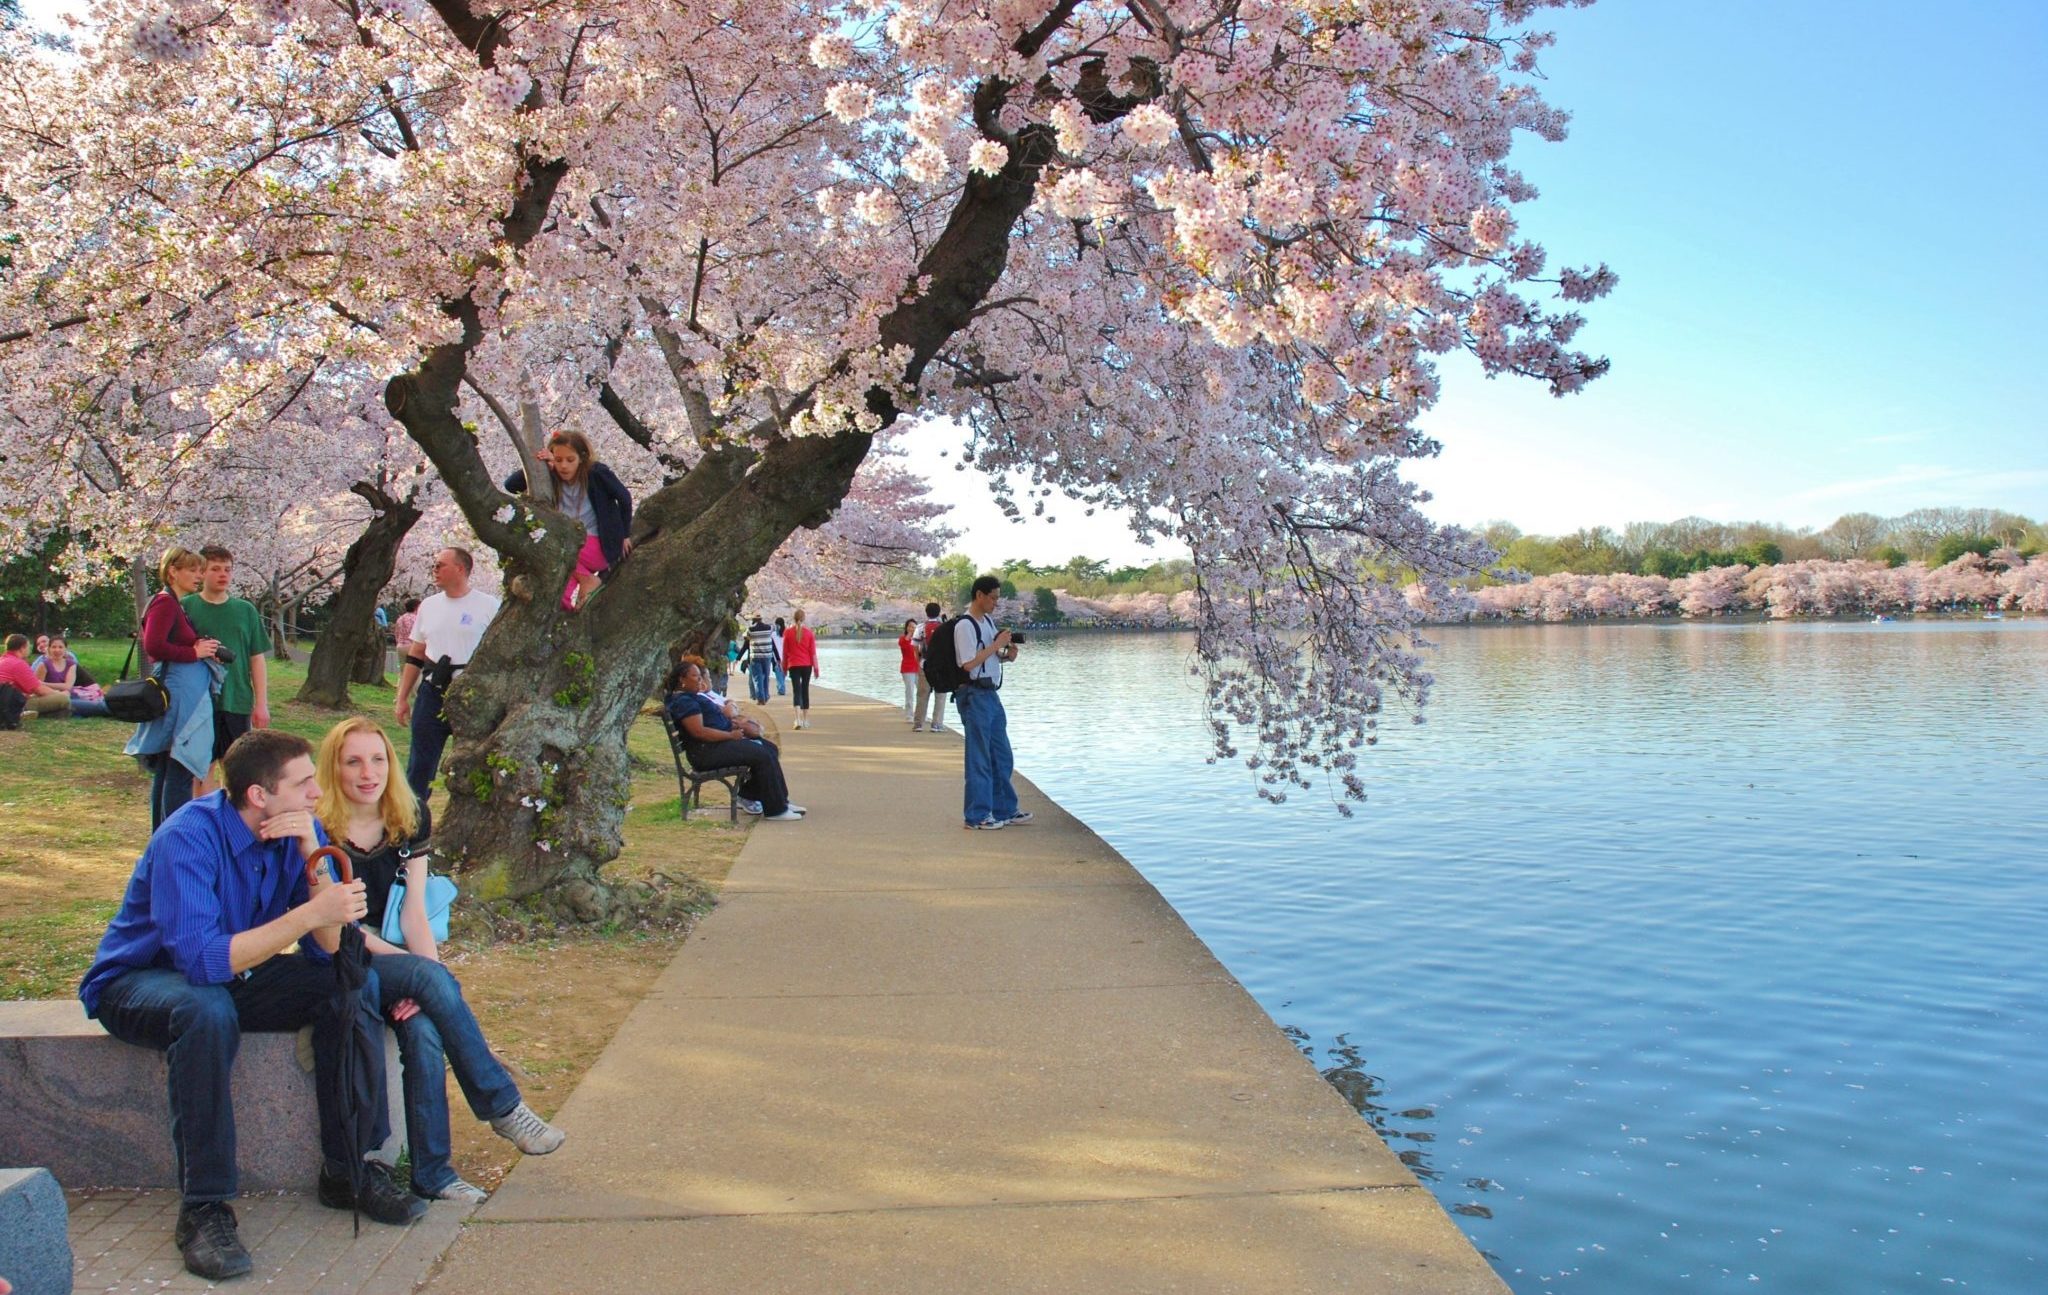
{"x": 1934, "y": 536}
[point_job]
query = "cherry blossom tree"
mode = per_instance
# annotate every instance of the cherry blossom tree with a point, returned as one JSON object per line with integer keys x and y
{"x": 1195, "y": 259}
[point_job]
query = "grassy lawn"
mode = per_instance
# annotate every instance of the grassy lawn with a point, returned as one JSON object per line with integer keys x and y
{"x": 74, "y": 816}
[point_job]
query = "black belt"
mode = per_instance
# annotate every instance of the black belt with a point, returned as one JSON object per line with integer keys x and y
{"x": 989, "y": 684}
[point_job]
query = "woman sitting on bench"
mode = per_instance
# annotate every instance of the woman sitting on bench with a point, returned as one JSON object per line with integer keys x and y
{"x": 715, "y": 737}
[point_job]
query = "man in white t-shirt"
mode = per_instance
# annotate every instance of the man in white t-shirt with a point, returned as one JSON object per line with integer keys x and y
{"x": 444, "y": 636}
{"x": 982, "y": 649}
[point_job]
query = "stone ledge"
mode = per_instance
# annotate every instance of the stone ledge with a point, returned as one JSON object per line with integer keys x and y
{"x": 96, "y": 1111}
{"x": 35, "y": 1243}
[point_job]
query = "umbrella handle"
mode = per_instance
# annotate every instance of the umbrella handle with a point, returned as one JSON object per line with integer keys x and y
{"x": 343, "y": 868}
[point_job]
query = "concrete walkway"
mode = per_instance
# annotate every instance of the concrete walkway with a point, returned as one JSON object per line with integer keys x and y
{"x": 904, "y": 1057}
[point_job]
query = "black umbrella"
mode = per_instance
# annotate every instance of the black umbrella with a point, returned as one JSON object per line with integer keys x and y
{"x": 358, "y": 1071}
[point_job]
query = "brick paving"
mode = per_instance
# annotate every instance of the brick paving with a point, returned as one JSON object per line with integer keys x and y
{"x": 121, "y": 1241}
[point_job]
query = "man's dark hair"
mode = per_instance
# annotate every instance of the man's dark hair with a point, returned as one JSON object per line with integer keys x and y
{"x": 16, "y": 642}
{"x": 257, "y": 759}
{"x": 987, "y": 584}
{"x": 932, "y": 610}
{"x": 462, "y": 558}
{"x": 412, "y": 604}
{"x": 215, "y": 553}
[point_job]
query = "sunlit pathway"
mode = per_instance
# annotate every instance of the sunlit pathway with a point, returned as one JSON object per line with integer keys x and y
{"x": 905, "y": 1057}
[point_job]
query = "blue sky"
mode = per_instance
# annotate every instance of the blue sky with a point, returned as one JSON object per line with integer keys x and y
{"x": 1825, "y": 216}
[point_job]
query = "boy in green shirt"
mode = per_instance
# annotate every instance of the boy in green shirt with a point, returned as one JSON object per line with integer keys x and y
{"x": 243, "y": 702}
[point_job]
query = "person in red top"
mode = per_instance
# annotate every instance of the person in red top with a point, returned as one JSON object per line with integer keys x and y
{"x": 923, "y": 638}
{"x": 19, "y": 677}
{"x": 912, "y": 670}
{"x": 800, "y": 654}
{"x": 176, "y": 747}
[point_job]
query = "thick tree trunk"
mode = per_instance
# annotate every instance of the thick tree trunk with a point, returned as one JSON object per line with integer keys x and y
{"x": 538, "y": 780}
{"x": 352, "y": 630}
{"x": 369, "y": 663}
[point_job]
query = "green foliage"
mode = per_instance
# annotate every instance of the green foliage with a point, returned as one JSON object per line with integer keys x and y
{"x": 582, "y": 672}
{"x": 29, "y": 602}
{"x": 1891, "y": 556}
{"x": 1952, "y": 547}
{"x": 1045, "y": 606}
{"x": 1008, "y": 589}
{"x": 483, "y": 782}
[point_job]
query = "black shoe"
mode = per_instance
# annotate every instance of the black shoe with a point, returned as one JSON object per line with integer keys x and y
{"x": 378, "y": 1197}
{"x": 212, "y": 1248}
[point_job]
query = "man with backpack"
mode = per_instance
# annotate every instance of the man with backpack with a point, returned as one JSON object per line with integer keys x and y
{"x": 970, "y": 652}
{"x": 922, "y": 637}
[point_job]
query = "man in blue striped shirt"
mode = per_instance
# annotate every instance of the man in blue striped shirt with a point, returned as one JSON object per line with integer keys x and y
{"x": 198, "y": 953}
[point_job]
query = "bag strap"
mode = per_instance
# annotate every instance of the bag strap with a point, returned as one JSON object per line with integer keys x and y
{"x": 130, "y": 658}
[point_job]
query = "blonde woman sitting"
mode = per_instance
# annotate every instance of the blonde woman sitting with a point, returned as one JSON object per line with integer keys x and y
{"x": 374, "y": 816}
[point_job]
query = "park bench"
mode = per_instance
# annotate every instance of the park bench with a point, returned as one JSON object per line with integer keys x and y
{"x": 690, "y": 782}
{"x": 96, "y": 1111}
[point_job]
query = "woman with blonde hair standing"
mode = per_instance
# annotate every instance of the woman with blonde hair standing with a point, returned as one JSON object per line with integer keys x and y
{"x": 800, "y": 651}
{"x": 372, "y": 814}
{"x": 591, "y": 493}
{"x": 177, "y": 746}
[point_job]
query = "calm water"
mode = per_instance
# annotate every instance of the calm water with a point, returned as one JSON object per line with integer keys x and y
{"x": 1669, "y": 956}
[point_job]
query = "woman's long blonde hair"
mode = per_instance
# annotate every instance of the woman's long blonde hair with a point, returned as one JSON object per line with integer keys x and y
{"x": 397, "y": 806}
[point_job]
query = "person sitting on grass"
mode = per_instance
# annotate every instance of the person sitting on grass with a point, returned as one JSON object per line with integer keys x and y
{"x": 715, "y": 737}
{"x": 58, "y": 669}
{"x": 200, "y": 951}
{"x": 373, "y": 815}
{"x": 57, "y": 665}
{"x": 19, "y": 678}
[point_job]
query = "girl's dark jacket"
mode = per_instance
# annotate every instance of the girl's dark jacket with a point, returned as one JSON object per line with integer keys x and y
{"x": 608, "y": 499}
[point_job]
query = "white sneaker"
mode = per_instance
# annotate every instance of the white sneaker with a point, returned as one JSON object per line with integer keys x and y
{"x": 528, "y": 1131}
{"x": 750, "y": 807}
{"x": 460, "y": 1191}
{"x": 988, "y": 825}
{"x": 798, "y": 809}
{"x": 1021, "y": 816}
{"x": 786, "y": 816}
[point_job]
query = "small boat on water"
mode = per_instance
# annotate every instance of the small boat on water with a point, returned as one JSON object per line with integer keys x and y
{"x": 1994, "y": 616}
{"x": 1880, "y": 619}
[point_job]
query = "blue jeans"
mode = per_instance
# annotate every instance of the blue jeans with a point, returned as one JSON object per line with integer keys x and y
{"x": 757, "y": 679}
{"x": 199, "y": 1029}
{"x": 781, "y": 679}
{"x": 429, "y": 738}
{"x": 987, "y": 730}
{"x": 170, "y": 787}
{"x": 442, "y": 1033}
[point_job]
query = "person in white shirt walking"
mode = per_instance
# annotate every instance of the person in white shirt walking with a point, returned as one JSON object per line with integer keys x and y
{"x": 982, "y": 651}
{"x": 444, "y": 637}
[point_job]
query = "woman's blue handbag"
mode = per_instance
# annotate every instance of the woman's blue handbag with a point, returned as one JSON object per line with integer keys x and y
{"x": 441, "y": 894}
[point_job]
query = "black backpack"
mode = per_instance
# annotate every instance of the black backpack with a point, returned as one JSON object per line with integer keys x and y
{"x": 942, "y": 657}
